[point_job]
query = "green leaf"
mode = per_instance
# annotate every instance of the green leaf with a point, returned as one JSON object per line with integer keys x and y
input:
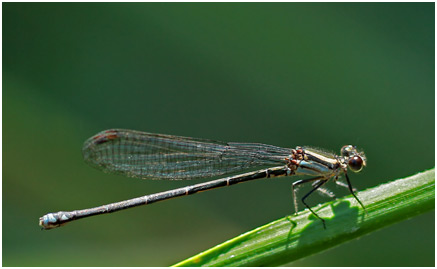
{"x": 294, "y": 237}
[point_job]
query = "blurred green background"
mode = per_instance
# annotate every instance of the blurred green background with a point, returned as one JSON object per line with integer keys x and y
{"x": 285, "y": 74}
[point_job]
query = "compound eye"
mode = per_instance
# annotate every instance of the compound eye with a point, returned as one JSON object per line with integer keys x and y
{"x": 356, "y": 163}
{"x": 347, "y": 150}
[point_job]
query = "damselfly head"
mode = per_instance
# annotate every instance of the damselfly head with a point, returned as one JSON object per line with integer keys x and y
{"x": 355, "y": 160}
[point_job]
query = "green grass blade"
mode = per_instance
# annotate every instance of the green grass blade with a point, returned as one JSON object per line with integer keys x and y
{"x": 291, "y": 238}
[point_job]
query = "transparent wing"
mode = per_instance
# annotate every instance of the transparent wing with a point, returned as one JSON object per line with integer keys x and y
{"x": 156, "y": 156}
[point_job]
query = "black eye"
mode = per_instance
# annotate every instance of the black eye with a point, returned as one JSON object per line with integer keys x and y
{"x": 356, "y": 163}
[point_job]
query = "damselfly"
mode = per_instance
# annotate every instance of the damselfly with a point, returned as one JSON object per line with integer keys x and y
{"x": 156, "y": 156}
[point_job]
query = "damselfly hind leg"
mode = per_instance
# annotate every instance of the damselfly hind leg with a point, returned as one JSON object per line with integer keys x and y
{"x": 322, "y": 181}
{"x": 294, "y": 188}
